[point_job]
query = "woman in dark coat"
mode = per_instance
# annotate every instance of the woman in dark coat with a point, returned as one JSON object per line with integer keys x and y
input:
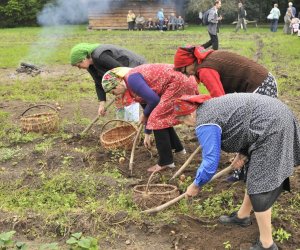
{"x": 261, "y": 127}
{"x": 97, "y": 59}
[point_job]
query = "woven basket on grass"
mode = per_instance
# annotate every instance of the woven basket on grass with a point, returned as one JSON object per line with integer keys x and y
{"x": 117, "y": 134}
{"x": 153, "y": 195}
{"x": 43, "y": 122}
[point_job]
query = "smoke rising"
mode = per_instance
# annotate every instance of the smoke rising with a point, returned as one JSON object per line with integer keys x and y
{"x": 69, "y": 11}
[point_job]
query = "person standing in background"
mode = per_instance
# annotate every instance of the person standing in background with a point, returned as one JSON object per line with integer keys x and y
{"x": 241, "y": 18}
{"x": 130, "y": 20}
{"x": 160, "y": 17}
{"x": 275, "y": 12}
{"x": 287, "y": 22}
{"x": 293, "y": 9}
{"x": 213, "y": 20}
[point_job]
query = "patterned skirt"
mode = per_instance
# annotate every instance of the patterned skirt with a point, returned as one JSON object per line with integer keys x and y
{"x": 268, "y": 87}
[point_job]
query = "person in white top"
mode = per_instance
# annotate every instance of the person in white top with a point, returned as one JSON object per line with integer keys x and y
{"x": 275, "y": 12}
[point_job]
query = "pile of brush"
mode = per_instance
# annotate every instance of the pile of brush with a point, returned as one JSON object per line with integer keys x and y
{"x": 29, "y": 69}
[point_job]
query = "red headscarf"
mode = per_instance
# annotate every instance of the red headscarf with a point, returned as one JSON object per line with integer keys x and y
{"x": 185, "y": 56}
{"x": 187, "y": 104}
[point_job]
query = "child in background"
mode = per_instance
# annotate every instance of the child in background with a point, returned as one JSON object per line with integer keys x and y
{"x": 295, "y": 26}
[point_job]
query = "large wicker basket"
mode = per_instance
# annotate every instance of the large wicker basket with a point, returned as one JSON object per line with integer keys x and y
{"x": 43, "y": 122}
{"x": 117, "y": 134}
{"x": 152, "y": 195}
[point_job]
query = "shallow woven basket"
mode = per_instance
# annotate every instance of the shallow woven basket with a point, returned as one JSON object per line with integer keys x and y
{"x": 43, "y": 122}
{"x": 121, "y": 136}
{"x": 153, "y": 195}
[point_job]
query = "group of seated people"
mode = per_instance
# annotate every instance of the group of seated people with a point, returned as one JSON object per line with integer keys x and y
{"x": 171, "y": 23}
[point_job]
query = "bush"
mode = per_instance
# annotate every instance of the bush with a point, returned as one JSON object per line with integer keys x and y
{"x": 15, "y": 13}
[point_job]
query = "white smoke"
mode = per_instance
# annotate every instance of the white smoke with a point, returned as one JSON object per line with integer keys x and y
{"x": 54, "y": 17}
{"x": 69, "y": 11}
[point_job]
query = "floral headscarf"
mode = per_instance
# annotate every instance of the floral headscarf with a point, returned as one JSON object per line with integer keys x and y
{"x": 113, "y": 78}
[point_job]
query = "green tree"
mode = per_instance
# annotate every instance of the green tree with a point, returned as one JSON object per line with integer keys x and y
{"x": 19, "y": 12}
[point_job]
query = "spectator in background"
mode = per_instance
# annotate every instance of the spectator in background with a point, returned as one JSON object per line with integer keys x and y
{"x": 156, "y": 24}
{"x": 295, "y": 25}
{"x": 275, "y": 12}
{"x": 165, "y": 24}
{"x": 241, "y": 18}
{"x": 160, "y": 16}
{"x": 293, "y": 9}
{"x": 212, "y": 27}
{"x": 172, "y": 22}
{"x": 140, "y": 21}
{"x": 180, "y": 23}
{"x": 130, "y": 20}
{"x": 150, "y": 25}
{"x": 200, "y": 17}
{"x": 287, "y": 22}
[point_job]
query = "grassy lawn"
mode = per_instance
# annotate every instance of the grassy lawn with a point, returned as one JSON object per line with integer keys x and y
{"x": 51, "y": 46}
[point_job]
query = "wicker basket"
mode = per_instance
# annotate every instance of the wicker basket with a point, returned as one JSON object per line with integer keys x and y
{"x": 44, "y": 122}
{"x": 152, "y": 195}
{"x": 120, "y": 136}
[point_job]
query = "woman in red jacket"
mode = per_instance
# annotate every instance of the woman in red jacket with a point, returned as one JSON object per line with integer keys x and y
{"x": 224, "y": 72}
{"x": 155, "y": 87}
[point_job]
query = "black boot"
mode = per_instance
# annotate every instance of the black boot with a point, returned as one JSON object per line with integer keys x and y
{"x": 258, "y": 246}
{"x": 234, "y": 220}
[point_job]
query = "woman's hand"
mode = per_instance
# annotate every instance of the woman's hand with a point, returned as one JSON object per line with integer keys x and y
{"x": 192, "y": 190}
{"x": 147, "y": 141}
{"x": 239, "y": 161}
{"x": 143, "y": 119}
{"x": 101, "y": 109}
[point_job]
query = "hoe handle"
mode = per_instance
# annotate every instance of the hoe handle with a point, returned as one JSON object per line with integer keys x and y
{"x": 97, "y": 117}
{"x": 171, "y": 202}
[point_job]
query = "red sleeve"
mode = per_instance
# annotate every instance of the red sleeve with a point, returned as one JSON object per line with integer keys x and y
{"x": 211, "y": 79}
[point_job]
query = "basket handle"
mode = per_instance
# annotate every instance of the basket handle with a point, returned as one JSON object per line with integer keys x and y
{"x": 150, "y": 179}
{"x": 39, "y": 105}
{"x": 114, "y": 120}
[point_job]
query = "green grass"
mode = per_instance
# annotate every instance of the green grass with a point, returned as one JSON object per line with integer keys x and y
{"x": 51, "y": 47}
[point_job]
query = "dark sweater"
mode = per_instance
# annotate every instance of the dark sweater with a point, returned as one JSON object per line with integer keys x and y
{"x": 106, "y": 57}
{"x": 237, "y": 73}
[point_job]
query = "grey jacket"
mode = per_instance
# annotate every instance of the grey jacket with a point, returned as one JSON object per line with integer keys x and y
{"x": 212, "y": 21}
{"x": 126, "y": 57}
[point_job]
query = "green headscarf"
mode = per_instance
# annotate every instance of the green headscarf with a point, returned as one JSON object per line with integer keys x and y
{"x": 81, "y": 51}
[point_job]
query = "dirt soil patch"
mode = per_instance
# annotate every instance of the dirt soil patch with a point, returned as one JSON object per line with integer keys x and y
{"x": 185, "y": 231}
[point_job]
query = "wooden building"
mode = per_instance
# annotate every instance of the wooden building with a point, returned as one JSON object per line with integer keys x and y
{"x": 114, "y": 14}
